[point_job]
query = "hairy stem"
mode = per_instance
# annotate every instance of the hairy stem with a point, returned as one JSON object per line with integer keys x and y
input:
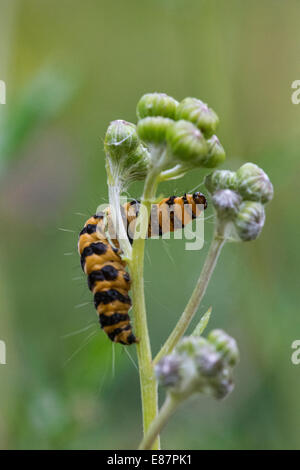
{"x": 136, "y": 266}
{"x": 197, "y": 295}
{"x": 160, "y": 421}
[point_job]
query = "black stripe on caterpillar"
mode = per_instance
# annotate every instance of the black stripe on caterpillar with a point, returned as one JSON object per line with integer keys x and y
{"x": 102, "y": 262}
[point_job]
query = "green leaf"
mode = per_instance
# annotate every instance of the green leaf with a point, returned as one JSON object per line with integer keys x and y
{"x": 202, "y": 323}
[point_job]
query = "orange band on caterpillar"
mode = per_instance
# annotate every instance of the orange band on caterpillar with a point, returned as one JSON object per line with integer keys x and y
{"x": 102, "y": 262}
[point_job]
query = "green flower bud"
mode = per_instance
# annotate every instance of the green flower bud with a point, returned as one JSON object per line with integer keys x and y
{"x": 254, "y": 184}
{"x": 226, "y": 203}
{"x": 127, "y": 160}
{"x": 199, "y": 365}
{"x": 250, "y": 220}
{"x": 156, "y": 104}
{"x": 137, "y": 163}
{"x": 216, "y": 153}
{"x": 167, "y": 370}
{"x": 209, "y": 362}
{"x": 120, "y": 139}
{"x": 224, "y": 385}
{"x": 197, "y": 112}
{"x": 153, "y": 130}
{"x": 221, "y": 179}
{"x": 190, "y": 344}
{"x": 226, "y": 345}
{"x": 186, "y": 143}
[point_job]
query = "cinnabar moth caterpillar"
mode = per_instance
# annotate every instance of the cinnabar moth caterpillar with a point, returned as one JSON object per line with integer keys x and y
{"x": 102, "y": 262}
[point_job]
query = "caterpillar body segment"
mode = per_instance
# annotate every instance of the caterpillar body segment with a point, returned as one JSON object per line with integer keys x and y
{"x": 107, "y": 279}
{"x": 172, "y": 213}
{"x": 101, "y": 260}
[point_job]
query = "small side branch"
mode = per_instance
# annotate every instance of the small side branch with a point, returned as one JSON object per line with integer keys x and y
{"x": 168, "y": 408}
{"x": 197, "y": 295}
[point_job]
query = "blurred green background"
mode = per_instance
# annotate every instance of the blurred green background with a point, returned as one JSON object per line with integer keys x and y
{"x": 70, "y": 68}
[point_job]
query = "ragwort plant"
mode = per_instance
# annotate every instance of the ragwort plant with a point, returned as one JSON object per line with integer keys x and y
{"x": 170, "y": 139}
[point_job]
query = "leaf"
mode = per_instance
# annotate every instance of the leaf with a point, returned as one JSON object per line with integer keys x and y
{"x": 202, "y": 323}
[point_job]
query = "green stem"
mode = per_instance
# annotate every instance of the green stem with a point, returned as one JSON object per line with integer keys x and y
{"x": 160, "y": 421}
{"x": 176, "y": 172}
{"x": 136, "y": 266}
{"x": 197, "y": 295}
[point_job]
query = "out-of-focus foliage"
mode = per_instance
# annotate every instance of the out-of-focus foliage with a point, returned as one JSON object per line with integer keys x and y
{"x": 241, "y": 58}
{"x": 41, "y": 100}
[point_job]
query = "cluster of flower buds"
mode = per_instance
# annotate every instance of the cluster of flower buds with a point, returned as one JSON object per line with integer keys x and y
{"x": 169, "y": 135}
{"x": 127, "y": 159}
{"x": 239, "y": 198}
{"x": 184, "y": 130}
{"x": 199, "y": 365}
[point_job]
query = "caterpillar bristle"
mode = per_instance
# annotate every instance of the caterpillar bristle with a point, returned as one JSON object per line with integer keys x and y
{"x": 102, "y": 263}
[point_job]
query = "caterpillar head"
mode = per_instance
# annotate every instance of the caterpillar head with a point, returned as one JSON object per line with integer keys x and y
{"x": 199, "y": 198}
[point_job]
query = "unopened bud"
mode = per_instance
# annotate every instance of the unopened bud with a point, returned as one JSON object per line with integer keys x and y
{"x": 167, "y": 370}
{"x": 190, "y": 345}
{"x": 226, "y": 203}
{"x": 197, "y": 112}
{"x": 221, "y": 179}
{"x": 120, "y": 139}
{"x": 225, "y": 385}
{"x": 186, "y": 143}
{"x": 127, "y": 159}
{"x": 254, "y": 184}
{"x": 209, "y": 362}
{"x": 226, "y": 345}
{"x": 250, "y": 220}
{"x": 216, "y": 153}
{"x": 153, "y": 130}
{"x": 137, "y": 163}
{"x": 156, "y": 104}
{"x": 199, "y": 365}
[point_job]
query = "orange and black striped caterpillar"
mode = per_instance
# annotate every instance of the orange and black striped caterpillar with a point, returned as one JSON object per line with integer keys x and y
{"x": 102, "y": 263}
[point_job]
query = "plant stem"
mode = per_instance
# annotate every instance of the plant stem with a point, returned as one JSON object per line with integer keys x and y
{"x": 197, "y": 295}
{"x": 160, "y": 421}
{"x": 176, "y": 172}
{"x": 136, "y": 266}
